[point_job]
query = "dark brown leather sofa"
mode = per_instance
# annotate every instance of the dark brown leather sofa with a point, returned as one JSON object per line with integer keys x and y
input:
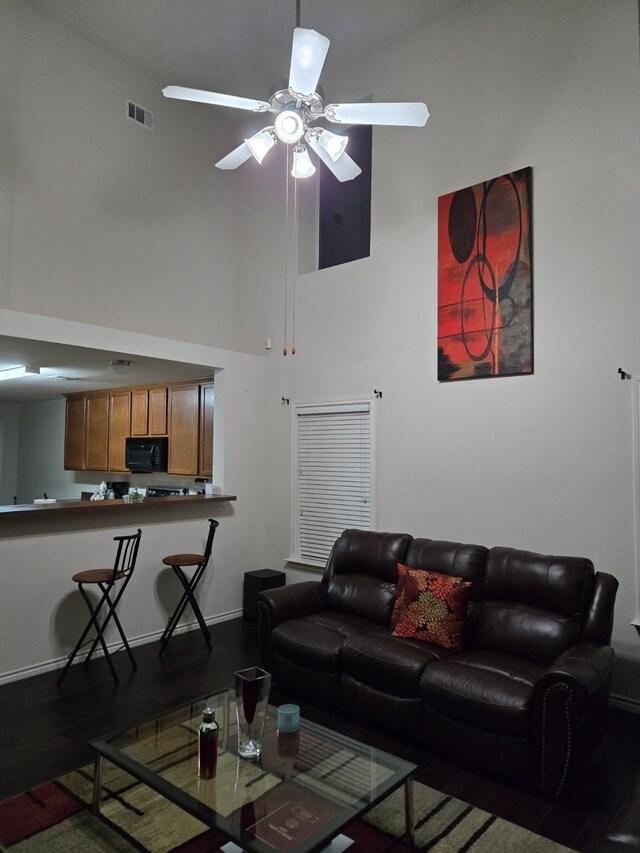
{"x": 526, "y": 697}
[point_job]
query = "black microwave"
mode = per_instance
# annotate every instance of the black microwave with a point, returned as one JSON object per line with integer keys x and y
{"x": 146, "y": 454}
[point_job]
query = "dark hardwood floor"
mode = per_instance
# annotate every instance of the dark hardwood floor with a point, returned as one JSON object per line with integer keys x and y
{"x": 45, "y": 729}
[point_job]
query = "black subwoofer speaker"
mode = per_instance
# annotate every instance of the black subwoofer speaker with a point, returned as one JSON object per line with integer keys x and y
{"x": 254, "y": 583}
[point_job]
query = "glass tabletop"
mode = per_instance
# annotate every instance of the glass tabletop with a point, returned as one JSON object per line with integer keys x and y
{"x": 306, "y": 786}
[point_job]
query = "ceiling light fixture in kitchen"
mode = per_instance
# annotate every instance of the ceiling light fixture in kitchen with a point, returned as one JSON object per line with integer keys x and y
{"x": 18, "y": 372}
{"x": 120, "y": 365}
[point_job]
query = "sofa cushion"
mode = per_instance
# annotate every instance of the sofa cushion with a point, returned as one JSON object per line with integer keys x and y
{"x": 316, "y": 640}
{"x": 364, "y": 595}
{"x": 448, "y": 558}
{"x": 367, "y": 552}
{"x": 520, "y": 629}
{"x": 560, "y": 584}
{"x": 532, "y": 605}
{"x": 430, "y": 606}
{"x": 483, "y": 688}
{"x": 308, "y": 645}
{"x": 392, "y": 665}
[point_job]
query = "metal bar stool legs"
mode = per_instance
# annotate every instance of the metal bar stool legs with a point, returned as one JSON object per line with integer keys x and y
{"x": 178, "y": 562}
{"x": 111, "y": 606}
{"x": 106, "y": 580}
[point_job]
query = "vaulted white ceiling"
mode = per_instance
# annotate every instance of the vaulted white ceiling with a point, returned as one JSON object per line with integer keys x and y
{"x": 240, "y": 47}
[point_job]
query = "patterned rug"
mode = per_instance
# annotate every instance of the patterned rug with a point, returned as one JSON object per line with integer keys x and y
{"x": 56, "y": 818}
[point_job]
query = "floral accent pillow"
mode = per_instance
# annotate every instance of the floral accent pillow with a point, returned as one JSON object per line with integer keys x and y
{"x": 430, "y": 607}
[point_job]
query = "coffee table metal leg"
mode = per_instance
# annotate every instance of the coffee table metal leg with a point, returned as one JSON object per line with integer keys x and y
{"x": 408, "y": 812}
{"x": 97, "y": 783}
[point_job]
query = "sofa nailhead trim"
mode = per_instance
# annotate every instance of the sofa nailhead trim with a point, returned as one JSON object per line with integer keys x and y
{"x": 560, "y": 686}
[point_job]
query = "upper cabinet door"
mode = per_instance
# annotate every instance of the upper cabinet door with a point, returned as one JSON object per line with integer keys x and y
{"x": 157, "y": 411}
{"x": 96, "y": 431}
{"x": 206, "y": 431}
{"x": 119, "y": 428}
{"x": 139, "y": 411}
{"x": 74, "y": 434}
{"x": 184, "y": 423}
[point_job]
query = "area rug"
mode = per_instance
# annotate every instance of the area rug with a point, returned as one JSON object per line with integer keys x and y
{"x": 56, "y": 818}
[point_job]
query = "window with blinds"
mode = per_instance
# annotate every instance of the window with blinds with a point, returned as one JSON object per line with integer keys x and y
{"x": 334, "y": 476}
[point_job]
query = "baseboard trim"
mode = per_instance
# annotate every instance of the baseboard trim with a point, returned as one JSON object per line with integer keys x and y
{"x": 58, "y": 663}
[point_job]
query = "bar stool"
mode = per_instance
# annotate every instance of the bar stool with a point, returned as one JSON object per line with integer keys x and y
{"x": 106, "y": 580}
{"x": 178, "y": 562}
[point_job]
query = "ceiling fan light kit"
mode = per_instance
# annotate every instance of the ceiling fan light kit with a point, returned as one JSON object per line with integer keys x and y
{"x": 302, "y": 165}
{"x": 289, "y": 126}
{"x": 296, "y": 110}
{"x": 261, "y": 143}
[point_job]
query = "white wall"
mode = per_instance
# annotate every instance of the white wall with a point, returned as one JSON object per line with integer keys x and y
{"x": 105, "y": 221}
{"x": 542, "y": 462}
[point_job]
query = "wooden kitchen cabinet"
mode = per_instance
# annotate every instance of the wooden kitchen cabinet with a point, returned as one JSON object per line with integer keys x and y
{"x": 157, "y": 411}
{"x": 148, "y": 411}
{"x": 140, "y": 411}
{"x": 96, "y": 435}
{"x": 205, "y": 462}
{"x": 184, "y": 429}
{"x": 74, "y": 434}
{"x": 98, "y": 422}
{"x": 119, "y": 429}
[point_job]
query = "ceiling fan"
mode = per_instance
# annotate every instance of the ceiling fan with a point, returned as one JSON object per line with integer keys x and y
{"x": 296, "y": 110}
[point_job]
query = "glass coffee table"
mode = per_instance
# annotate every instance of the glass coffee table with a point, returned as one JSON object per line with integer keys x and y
{"x": 305, "y": 788}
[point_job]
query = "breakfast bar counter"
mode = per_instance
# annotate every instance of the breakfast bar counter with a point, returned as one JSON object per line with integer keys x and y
{"x": 67, "y": 507}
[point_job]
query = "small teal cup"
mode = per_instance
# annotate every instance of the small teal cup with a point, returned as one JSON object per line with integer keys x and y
{"x": 288, "y": 718}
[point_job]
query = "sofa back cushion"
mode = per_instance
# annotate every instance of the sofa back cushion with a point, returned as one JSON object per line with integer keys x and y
{"x": 532, "y": 605}
{"x": 448, "y": 558}
{"x": 361, "y": 573}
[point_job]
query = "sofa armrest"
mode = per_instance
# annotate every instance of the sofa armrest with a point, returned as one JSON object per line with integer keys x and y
{"x": 570, "y": 702}
{"x": 285, "y": 602}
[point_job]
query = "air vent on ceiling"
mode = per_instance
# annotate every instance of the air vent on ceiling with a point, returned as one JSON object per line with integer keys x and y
{"x": 139, "y": 114}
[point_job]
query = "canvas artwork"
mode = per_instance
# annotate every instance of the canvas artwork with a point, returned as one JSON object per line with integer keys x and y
{"x": 485, "y": 279}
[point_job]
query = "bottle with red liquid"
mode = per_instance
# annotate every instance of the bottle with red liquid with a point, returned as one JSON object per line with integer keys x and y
{"x": 207, "y": 745}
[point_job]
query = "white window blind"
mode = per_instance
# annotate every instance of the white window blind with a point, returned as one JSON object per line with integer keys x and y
{"x": 334, "y": 476}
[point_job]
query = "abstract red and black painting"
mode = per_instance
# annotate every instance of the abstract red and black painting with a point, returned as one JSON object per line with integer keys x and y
{"x": 485, "y": 312}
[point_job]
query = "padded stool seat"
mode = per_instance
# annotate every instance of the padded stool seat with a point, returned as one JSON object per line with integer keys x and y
{"x": 182, "y": 559}
{"x": 95, "y": 576}
{"x": 178, "y": 562}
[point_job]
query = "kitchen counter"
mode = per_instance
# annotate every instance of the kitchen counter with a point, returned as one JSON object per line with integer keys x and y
{"x": 67, "y": 507}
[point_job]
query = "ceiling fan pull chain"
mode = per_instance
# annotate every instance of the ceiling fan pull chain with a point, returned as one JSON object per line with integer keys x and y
{"x": 295, "y": 267}
{"x": 286, "y": 249}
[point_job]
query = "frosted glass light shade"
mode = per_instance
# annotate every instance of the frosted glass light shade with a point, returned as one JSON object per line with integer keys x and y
{"x": 260, "y": 144}
{"x": 332, "y": 143}
{"x": 288, "y": 126}
{"x": 302, "y": 165}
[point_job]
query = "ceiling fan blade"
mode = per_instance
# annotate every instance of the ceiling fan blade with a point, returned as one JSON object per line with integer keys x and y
{"x": 235, "y": 158}
{"x": 216, "y": 98}
{"x": 344, "y": 168}
{"x": 308, "y": 53}
{"x": 407, "y": 114}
